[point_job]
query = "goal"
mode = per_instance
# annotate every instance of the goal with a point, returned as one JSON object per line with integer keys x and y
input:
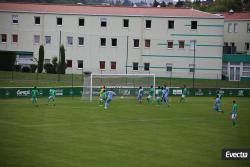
{"x": 93, "y": 82}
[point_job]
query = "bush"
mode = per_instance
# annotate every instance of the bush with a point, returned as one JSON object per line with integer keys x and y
{"x": 25, "y": 69}
{"x": 7, "y": 60}
{"x": 33, "y": 68}
{"x": 49, "y": 68}
{"x": 17, "y": 68}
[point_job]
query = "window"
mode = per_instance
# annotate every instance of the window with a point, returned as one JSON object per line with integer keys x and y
{"x": 230, "y": 27}
{"x": 169, "y": 67}
{"x": 148, "y": 23}
{"x": 170, "y": 44}
{"x": 46, "y": 61}
{"x": 232, "y": 44}
{"x": 36, "y": 39}
{"x": 70, "y": 40}
{"x": 225, "y": 43}
{"x": 246, "y": 69}
{"x": 47, "y": 39}
{"x": 59, "y": 21}
{"x": 113, "y": 42}
{"x": 146, "y": 66}
{"x": 79, "y": 64}
{"x": 194, "y": 25}
{"x": 224, "y": 68}
{"x": 15, "y": 19}
{"x": 113, "y": 65}
{"x": 181, "y": 44}
{"x": 102, "y": 65}
{"x": 135, "y": 66}
{"x": 37, "y": 20}
{"x": 103, "y": 22}
{"x": 3, "y": 38}
{"x": 125, "y": 22}
{"x": 80, "y": 41}
{"x": 103, "y": 41}
{"x": 147, "y": 43}
{"x": 191, "y": 68}
{"x": 192, "y": 44}
{"x": 170, "y": 24}
{"x": 81, "y": 22}
{"x": 247, "y": 46}
{"x": 248, "y": 27}
{"x": 14, "y": 38}
{"x": 235, "y": 27}
{"x": 136, "y": 43}
{"x": 69, "y": 63}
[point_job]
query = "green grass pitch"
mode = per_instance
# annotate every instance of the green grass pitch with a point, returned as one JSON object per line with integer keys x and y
{"x": 82, "y": 134}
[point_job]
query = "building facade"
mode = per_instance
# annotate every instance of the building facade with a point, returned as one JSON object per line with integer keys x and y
{"x": 98, "y": 39}
{"x": 236, "y": 58}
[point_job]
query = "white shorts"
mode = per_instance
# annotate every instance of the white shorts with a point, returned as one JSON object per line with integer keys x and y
{"x": 234, "y": 116}
{"x": 149, "y": 96}
{"x": 183, "y": 96}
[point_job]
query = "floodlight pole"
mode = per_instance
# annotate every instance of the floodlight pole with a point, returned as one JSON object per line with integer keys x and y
{"x": 194, "y": 64}
{"x": 127, "y": 57}
{"x": 59, "y": 61}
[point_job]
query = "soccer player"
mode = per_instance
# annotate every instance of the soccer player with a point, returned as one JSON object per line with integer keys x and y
{"x": 101, "y": 95}
{"x": 34, "y": 94}
{"x": 234, "y": 113}
{"x": 110, "y": 95}
{"x": 159, "y": 95}
{"x": 140, "y": 94}
{"x": 104, "y": 96}
{"x": 217, "y": 104}
{"x": 219, "y": 94}
{"x": 165, "y": 93}
{"x": 151, "y": 94}
{"x": 184, "y": 94}
{"x": 52, "y": 96}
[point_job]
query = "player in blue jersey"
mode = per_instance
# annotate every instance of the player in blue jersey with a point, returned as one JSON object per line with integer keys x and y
{"x": 217, "y": 104}
{"x": 110, "y": 95}
{"x": 165, "y": 93}
{"x": 140, "y": 94}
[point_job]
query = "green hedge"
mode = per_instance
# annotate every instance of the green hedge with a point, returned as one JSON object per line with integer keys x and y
{"x": 8, "y": 59}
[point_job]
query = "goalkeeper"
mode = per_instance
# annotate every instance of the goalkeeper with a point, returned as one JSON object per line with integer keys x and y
{"x": 101, "y": 101}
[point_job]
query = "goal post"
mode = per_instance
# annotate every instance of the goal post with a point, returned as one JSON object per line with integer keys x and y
{"x": 93, "y": 82}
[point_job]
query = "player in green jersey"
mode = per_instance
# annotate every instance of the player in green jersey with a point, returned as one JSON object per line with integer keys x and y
{"x": 234, "y": 113}
{"x": 151, "y": 94}
{"x": 52, "y": 96}
{"x": 34, "y": 94}
{"x": 159, "y": 95}
{"x": 184, "y": 94}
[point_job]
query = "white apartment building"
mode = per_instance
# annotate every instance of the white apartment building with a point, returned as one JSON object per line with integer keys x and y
{"x": 236, "y": 60}
{"x": 105, "y": 39}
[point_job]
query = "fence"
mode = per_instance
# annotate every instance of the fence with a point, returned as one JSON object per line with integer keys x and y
{"x": 19, "y": 79}
{"x": 77, "y": 92}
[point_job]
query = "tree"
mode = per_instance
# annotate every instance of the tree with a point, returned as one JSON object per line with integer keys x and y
{"x": 40, "y": 59}
{"x": 163, "y": 4}
{"x": 156, "y": 3}
{"x": 62, "y": 65}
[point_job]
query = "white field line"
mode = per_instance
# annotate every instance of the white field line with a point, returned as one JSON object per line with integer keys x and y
{"x": 88, "y": 123}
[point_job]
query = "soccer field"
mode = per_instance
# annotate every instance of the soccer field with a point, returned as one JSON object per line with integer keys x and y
{"x": 83, "y": 134}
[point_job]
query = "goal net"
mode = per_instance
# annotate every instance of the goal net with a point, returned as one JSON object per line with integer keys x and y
{"x": 93, "y": 83}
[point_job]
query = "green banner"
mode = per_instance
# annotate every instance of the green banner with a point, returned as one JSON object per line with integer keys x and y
{"x": 77, "y": 91}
